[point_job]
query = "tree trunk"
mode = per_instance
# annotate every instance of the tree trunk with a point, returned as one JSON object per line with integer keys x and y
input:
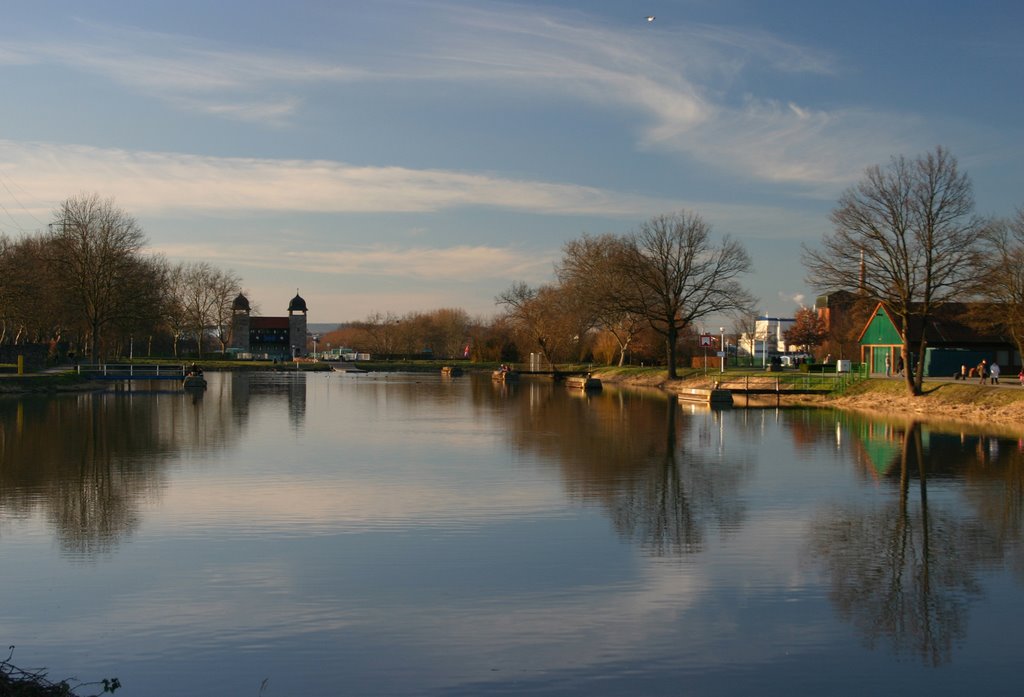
{"x": 671, "y": 337}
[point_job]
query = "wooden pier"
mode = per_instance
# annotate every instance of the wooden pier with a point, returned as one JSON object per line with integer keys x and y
{"x": 762, "y": 386}
{"x": 712, "y": 396}
{"x": 133, "y": 371}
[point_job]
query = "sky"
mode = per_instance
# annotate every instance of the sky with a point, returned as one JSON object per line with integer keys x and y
{"x": 408, "y": 155}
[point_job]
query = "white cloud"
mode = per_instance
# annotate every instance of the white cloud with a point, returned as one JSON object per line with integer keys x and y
{"x": 154, "y": 182}
{"x": 678, "y": 81}
{"x": 797, "y": 299}
{"x": 457, "y": 263}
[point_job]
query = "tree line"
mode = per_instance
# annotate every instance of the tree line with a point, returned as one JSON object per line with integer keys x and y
{"x": 86, "y": 287}
{"x": 650, "y": 286}
{"x": 906, "y": 234}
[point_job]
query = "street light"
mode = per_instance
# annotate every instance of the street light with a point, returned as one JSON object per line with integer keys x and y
{"x": 722, "y": 330}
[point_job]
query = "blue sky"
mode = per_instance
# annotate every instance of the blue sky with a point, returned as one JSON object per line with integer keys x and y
{"x": 388, "y": 156}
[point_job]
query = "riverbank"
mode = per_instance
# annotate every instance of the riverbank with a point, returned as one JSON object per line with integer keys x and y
{"x": 987, "y": 406}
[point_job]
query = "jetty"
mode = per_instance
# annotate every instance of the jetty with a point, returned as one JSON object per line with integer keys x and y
{"x": 757, "y": 386}
{"x": 132, "y": 371}
{"x": 583, "y": 382}
{"x": 711, "y": 396}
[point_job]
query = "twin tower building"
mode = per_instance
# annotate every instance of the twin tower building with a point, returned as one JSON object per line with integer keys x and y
{"x": 281, "y": 338}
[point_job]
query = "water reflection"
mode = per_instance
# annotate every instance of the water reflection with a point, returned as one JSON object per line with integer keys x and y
{"x": 384, "y": 511}
{"x": 628, "y": 452}
{"x": 905, "y": 570}
{"x": 91, "y": 462}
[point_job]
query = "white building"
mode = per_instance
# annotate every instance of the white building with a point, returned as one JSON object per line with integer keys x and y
{"x": 768, "y": 338}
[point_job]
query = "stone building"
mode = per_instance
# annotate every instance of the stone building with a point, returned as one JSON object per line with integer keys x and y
{"x": 269, "y": 337}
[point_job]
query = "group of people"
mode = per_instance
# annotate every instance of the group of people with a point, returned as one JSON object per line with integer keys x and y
{"x": 986, "y": 373}
{"x": 888, "y": 366}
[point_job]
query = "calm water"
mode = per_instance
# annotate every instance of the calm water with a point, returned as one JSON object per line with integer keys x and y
{"x": 408, "y": 535}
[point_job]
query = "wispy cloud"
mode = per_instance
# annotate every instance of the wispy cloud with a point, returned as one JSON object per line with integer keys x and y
{"x": 461, "y": 263}
{"x": 152, "y": 182}
{"x": 683, "y": 84}
{"x": 190, "y": 74}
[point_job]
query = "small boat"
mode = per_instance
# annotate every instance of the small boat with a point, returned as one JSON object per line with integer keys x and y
{"x": 194, "y": 381}
{"x": 505, "y": 376}
{"x": 451, "y": 371}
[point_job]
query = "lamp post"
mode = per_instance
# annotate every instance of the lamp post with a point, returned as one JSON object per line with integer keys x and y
{"x": 704, "y": 347}
{"x": 722, "y": 345}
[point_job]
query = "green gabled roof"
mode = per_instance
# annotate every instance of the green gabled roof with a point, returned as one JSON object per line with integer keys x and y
{"x": 880, "y": 330}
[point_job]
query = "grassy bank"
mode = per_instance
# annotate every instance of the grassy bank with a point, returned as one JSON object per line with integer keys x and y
{"x": 1000, "y": 408}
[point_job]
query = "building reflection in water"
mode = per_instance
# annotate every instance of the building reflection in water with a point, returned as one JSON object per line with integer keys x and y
{"x": 904, "y": 567}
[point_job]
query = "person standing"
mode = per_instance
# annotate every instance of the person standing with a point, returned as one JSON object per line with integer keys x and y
{"x": 982, "y": 371}
{"x": 888, "y": 365}
{"x": 993, "y": 372}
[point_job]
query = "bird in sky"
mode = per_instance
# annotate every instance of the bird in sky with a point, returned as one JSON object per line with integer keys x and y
{"x": 649, "y": 18}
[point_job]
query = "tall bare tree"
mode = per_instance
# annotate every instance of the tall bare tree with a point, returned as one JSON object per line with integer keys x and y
{"x": 98, "y": 253}
{"x": 912, "y": 227}
{"x": 592, "y": 270}
{"x": 677, "y": 275}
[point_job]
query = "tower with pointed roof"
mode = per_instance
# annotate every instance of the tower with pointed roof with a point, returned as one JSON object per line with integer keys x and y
{"x": 297, "y": 331}
{"x": 240, "y": 315}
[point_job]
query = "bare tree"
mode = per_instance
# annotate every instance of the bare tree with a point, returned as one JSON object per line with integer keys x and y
{"x": 97, "y": 253}
{"x": 592, "y": 270}
{"x": 226, "y": 287}
{"x": 676, "y": 275}
{"x": 1003, "y": 279}
{"x": 907, "y": 235}
{"x": 175, "y": 310}
{"x": 548, "y": 318}
{"x": 31, "y": 308}
{"x": 745, "y": 328}
{"x": 383, "y": 333}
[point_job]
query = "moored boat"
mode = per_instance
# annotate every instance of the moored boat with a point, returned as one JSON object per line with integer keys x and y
{"x": 194, "y": 382}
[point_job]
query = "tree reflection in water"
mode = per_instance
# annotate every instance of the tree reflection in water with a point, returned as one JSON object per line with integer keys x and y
{"x": 91, "y": 461}
{"x": 905, "y": 573}
{"x": 628, "y": 452}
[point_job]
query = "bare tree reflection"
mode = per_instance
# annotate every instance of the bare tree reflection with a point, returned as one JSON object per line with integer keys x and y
{"x": 87, "y": 462}
{"x": 630, "y": 453}
{"x": 905, "y": 574}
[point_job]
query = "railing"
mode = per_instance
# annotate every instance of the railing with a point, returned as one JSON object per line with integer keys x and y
{"x": 132, "y": 371}
{"x": 789, "y": 382}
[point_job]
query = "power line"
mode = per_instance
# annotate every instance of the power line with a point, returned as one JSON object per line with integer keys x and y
{"x": 3, "y": 181}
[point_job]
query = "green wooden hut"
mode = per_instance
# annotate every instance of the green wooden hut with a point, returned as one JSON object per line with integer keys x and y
{"x": 952, "y": 341}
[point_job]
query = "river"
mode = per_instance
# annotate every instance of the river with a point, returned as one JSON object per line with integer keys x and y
{"x": 406, "y": 534}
